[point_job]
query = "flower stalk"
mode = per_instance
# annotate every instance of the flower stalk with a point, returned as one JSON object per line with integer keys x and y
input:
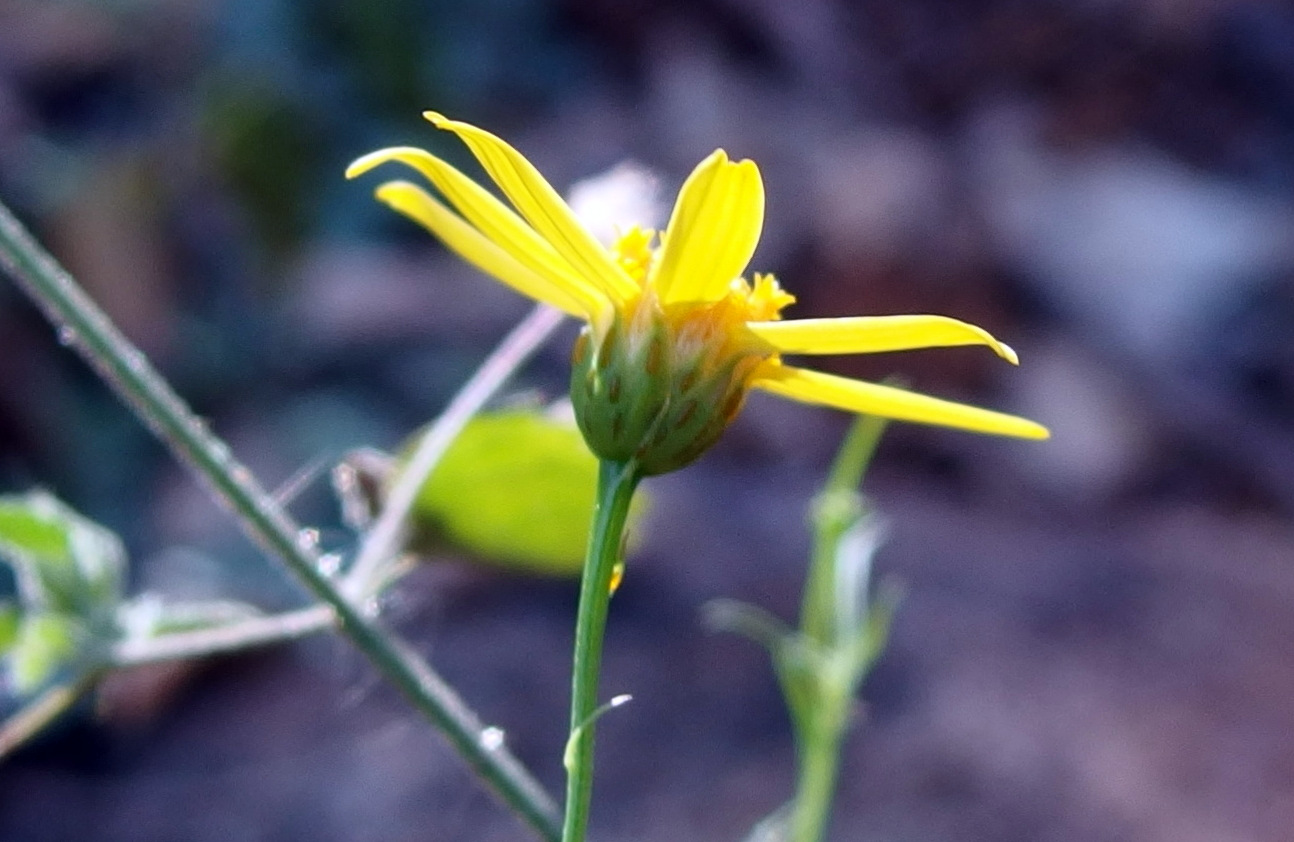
{"x": 835, "y": 511}
{"x": 842, "y": 630}
{"x": 617, "y": 482}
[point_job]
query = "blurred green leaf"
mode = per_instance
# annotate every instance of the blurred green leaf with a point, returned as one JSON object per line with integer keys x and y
{"x": 9, "y": 619}
{"x": 64, "y": 562}
{"x": 26, "y": 527}
{"x": 516, "y": 488}
{"x": 45, "y": 643}
{"x": 751, "y": 621}
{"x": 268, "y": 147}
{"x": 873, "y": 634}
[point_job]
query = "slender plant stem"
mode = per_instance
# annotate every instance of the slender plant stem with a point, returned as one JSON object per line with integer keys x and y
{"x": 228, "y": 637}
{"x": 616, "y": 485}
{"x": 382, "y": 540}
{"x": 82, "y": 325}
{"x": 834, "y": 512}
{"x": 32, "y": 718}
{"x": 820, "y": 726}
{"x": 819, "y": 762}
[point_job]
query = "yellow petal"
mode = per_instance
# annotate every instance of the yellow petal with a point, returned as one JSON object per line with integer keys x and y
{"x": 874, "y": 399}
{"x": 541, "y": 206}
{"x": 873, "y": 334}
{"x": 479, "y": 250}
{"x": 479, "y": 207}
{"x": 712, "y": 232}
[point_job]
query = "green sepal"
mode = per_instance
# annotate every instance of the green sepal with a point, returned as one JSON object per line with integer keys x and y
{"x": 656, "y": 392}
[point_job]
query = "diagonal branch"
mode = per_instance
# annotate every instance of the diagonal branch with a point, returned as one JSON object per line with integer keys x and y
{"x": 382, "y": 540}
{"x": 85, "y": 327}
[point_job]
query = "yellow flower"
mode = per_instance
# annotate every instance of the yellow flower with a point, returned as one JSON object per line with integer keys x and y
{"x": 676, "y": 335}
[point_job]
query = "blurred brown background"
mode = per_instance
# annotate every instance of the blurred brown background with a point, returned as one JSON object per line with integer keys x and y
{"x": 1096, "y": 639}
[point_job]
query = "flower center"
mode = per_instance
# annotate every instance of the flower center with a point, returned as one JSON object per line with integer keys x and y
{"x": 633, "y": 251}
{"x": 762, "y": 301}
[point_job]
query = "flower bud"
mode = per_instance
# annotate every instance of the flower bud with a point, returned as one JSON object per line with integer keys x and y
{"x": 659, "y": 387}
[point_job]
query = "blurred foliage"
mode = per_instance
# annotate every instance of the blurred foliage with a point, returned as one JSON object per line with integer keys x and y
{"x": 8, "y": 625}
{"x": 514, "y": 489}
{"x": 69, "y": 574}
{"x": 386, "y": 46}
{"x": 267, "y": 147}
{"x": 64, "y": 562}
{"x": 45, "y": 643}
{"x": 71, "y": 604}
{"x": 844, "y": 627}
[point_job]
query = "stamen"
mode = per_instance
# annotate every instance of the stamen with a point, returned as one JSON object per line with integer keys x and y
{"x": 765, "y": 302}
{"x": 634, "y": 253}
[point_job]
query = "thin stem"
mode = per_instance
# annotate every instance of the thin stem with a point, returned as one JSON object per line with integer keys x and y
{"x": 820, "y": 725}
{"x": 81, "y": 324}
{"x": 616, "y": 484}
{"x": 198, "y": 643}
{"x": 33, "y": 717}
{"x": 834, "y": 511}
{"x": 382, "y": 540}
{"x": 819, "y": 763}
{"x": 230, "y": 637}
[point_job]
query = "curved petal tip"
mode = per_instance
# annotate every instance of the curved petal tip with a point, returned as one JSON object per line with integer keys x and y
{"x": 364, "y": 163}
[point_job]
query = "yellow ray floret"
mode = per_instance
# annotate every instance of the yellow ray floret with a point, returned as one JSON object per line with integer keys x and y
{"x": 877, "y": 399}
{"x": 713, "y": 231}
{"x": 677, "y": 335}
{"x": 485, "y": 253}
{"x": 536, "y": 200}
{"x": 873, "y": 334}
{"x": 493, "y": 220}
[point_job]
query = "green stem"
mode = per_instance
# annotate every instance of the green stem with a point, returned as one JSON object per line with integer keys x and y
{"x": 33, "y": 717}
{"x": 616, "y": 484}
{"x": 820, "y": 725}
{"x": 834, "y": 511}
{"x": 819, "y": 762}
{"x": 226, "y": 637}
{"x": 82, "y": 325}
{"x": 383, "y": 539}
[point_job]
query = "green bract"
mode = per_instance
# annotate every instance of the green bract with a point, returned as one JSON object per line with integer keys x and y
{"x": 646, "y": 394}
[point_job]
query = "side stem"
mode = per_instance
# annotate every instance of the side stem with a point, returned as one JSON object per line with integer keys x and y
{"x": 827, "y": 623}
{"x": 33, "y": 717}
{"x": 616, "y": 485}
{"x": 819, "y": 764}
{"x": 834, "y": 511}
{"x": 383, "y": 538}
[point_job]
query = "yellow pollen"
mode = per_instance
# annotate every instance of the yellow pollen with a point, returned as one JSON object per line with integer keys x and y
{"x": 765, "y": 301}
{"x": 634, "y": 253}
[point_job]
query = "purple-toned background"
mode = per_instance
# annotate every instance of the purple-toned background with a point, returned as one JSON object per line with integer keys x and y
{"x": 1096, "y": 639}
